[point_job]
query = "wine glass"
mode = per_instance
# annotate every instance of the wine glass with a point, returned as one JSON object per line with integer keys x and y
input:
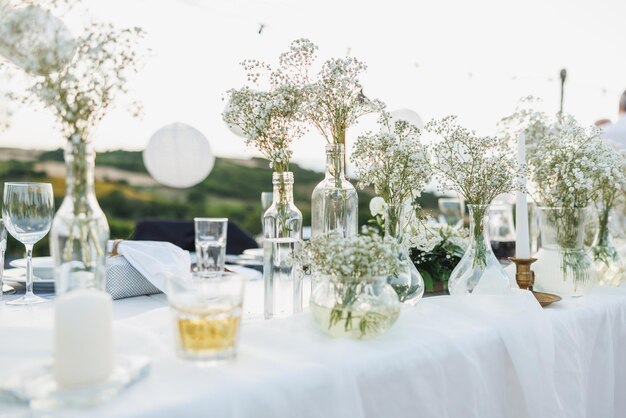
{"x": 27, "y": 212}
{"x": 3, "y": 247}
{"x": 451, "y": 211}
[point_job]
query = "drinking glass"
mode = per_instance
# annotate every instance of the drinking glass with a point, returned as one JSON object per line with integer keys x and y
{"x": 27, "y": 212}
{"x": 452, "y": 211}
{"x": 206, "y": 314}
{"x": 211, "y": 245}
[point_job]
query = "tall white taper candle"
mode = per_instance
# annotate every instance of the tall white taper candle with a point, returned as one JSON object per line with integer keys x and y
{"x": 522, "y": 244}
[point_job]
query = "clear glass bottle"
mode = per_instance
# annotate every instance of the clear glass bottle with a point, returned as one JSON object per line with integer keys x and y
{"x": 610, "y": 268}
{"x": 479, "y": 271}
{"x": 282, "y": 229}
{"x": 80, "y": 231}
{"x": 564, "y": 266}
{"x": 408, "y": 282}
{"x": 335, "y": 203}
{"x": 358, "y": 308}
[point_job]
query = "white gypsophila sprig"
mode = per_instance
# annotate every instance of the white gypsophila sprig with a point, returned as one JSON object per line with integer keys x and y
{"x": 364, "y": 256}
{"x": 612, "y": 180}
{"x": 393, "y": 162}
{"x": 565, "y": 161}
{"x": 479, "y": 168}
{"x": 334, "y": 98}
{"x": 426, "y": 234}
{"x": 270, "y": 113}
{"x": 80, "y": 93}
{"x": 268, "y": 120}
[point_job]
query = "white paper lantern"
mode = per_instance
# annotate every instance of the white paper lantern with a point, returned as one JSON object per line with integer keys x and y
{"x": 407, "y": 115}
{"x": 178, "y": 155}
{"x": 236, "y": 129}
{"x": 36, "y": 40}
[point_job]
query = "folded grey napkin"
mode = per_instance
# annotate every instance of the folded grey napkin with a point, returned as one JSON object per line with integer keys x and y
{"x": 124, "y": 281}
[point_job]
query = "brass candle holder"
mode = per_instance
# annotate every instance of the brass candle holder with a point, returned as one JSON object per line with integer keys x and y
{"x": 525, "y": 279}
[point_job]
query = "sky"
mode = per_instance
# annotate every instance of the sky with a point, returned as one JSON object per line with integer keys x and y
{"x": 475, "y": 59}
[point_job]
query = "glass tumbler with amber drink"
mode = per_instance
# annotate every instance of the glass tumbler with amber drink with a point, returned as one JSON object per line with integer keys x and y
{"x": 207, "y": 315}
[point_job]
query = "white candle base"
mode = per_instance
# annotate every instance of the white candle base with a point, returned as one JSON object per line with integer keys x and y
{"x": 83, "y": 338}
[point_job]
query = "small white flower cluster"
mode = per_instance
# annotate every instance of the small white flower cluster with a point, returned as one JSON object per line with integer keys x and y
{"x": 394, "y": 162}
{"x": 334, "y": 98}
{"x": 425, "y": 235}
{"x": 364, "y": 256}
{"x": 271, "y": 118}
{"x": 567, "y": 163}
{"x": 478, "y": 168}
{"x": 268, "y": 119}
{"x": 81, "y": 91}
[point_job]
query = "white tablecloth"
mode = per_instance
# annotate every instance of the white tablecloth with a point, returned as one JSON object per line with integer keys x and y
{"x": 499, "y": 356}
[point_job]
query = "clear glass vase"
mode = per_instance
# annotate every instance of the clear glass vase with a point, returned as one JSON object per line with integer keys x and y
{"x": 282, "y": 229}
{"x": 564, "y": 266}
{"x": 610, "y": 267}
{"x": 79, "y": 232}
{"x": 334, "y": 203}
{"x": 354, "y": 308}
{"x": 407, "y": 282}
{"x": 479, "y": 271}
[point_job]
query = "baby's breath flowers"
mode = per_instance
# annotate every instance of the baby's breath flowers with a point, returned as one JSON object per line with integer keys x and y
{"x": 351, "y": 266}
{"x": 334, "y": 98}
{"x": 78, "y": 78}
{"x": 357, "y": 258}
{"x": 270, "y": 119}
{"x": 479, "y": 168}
{"x": 394, "y": 162}
{"x": 567, "y": 165}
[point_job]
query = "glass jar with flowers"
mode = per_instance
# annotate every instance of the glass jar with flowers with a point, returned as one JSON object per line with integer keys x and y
{"x": 334, "y": 101}
{"x": 394, "y": 162}
{"x": 354, "y": 299}
{"x": 478, "y": 169}
{"x": 77, "y": 79}
{"x": 566, "y": 163}
{"x": 269, "y": 122}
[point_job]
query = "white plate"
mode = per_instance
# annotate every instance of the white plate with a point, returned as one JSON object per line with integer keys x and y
{"x": 43, "y": 267}
{"x": 18, "y": 275}
{"x": 254, "y": 252}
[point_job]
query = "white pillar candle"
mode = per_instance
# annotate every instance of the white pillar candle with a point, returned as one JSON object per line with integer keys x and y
{"x": 522, "y": 243}
{"x": 83, "y": 337}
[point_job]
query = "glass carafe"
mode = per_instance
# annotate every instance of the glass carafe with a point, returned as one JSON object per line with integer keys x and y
{"x": 479, "y": 271}
{"x": 564, "y": 266}
{"x": 334, "y": 203}
{"x": 407, "y": 282}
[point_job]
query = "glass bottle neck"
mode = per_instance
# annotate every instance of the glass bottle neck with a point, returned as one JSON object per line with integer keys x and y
{"x": 80, "y": 160}
{"x": 335, "y": 161}
{"x": 282, "y": 187}
{"x": 394, "y": 221}
{"x": 478, "y": 225}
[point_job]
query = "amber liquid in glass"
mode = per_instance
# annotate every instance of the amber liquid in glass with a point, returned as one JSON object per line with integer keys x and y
{"x": 202, "y": 331}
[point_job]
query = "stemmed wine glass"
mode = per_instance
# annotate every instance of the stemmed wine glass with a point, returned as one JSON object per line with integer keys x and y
{"x": 27, "y": 211}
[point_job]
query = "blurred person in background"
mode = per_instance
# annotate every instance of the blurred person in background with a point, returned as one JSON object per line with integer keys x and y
{"x": 616, "y": 132}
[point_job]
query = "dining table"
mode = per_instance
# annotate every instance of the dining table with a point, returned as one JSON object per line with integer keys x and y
{"x": 447, "y": 356}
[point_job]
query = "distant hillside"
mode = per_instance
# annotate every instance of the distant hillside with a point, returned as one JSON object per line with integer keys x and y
{"x": 127, "y": 193}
